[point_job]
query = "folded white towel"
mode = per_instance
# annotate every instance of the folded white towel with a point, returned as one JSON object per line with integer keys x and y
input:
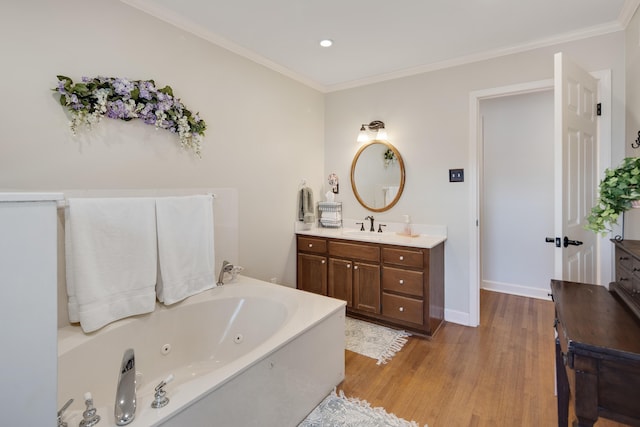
{"x": 330, "y": 215}
{"x": 185, "y": 247}
{"x": 111, "y": 259}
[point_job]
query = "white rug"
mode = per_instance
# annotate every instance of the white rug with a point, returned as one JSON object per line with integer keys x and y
{"x": 341, "y": 411}
{"x": 371, "y": 340}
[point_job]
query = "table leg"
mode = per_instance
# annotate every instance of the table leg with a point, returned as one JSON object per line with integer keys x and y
{"x": 562, "y": 383}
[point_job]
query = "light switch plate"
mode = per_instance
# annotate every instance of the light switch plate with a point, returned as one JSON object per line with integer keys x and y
{"x": 456, "y": 175}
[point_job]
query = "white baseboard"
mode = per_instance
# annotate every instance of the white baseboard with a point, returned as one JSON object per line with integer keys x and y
{"x": 524, "y": 291}
{"x": 462, "y": 318}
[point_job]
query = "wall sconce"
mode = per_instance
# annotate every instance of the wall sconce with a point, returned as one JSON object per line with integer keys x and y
{"x": 376, "y": 125}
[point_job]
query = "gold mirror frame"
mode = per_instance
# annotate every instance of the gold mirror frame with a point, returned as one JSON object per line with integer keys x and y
{"x": 402, "y": 175}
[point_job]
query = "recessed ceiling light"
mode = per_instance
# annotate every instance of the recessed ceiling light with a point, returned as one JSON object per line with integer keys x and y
{"x": 326, "y": 42}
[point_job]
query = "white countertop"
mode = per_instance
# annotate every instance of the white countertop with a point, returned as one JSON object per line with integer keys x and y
{"x": 427, "y": 241}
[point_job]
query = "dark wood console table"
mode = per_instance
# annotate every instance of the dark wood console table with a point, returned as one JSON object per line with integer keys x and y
{"x": 597, "y": 355}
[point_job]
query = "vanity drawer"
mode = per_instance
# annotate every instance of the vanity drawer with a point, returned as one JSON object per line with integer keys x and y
{"x": 309, "y": 244}
{"x": 402, "y": 308}
{"x": 354, "y": 251}
{"x": 403, "y": 257}
{"x": 403, "y": 281}
{"x": 623, "y": 260}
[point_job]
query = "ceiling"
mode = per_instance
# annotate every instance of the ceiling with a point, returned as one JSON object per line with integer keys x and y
{"x": 375, "y": 40}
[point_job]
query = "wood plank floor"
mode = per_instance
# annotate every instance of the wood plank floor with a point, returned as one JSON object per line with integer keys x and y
{"x": 499, "y": 374}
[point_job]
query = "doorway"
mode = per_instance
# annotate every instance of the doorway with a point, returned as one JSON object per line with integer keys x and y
{"x": 604, "y": 255}
{"x": 517, "y": 198}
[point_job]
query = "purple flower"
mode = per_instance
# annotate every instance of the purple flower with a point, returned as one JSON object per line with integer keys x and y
{"x": 146, "y": 88}
{"x": 122, "y": 87}
{"x": 149, "y": 119}
{"x": 86, "y": 79}
{"x": 163, "y": 105}
{"x": 61, "y": 88}
{"x": 117, "y": 110}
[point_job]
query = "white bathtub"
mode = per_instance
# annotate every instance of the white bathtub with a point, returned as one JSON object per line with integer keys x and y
{"x": 244, "y": 354}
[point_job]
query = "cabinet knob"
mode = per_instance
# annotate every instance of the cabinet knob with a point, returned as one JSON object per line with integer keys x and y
{"x": 401, "y": 281}
{"x": 310, "y": 245}
{"x": 401, "y": 309}
{"x": 322, "y": 262}
{"x": 348, "y": 265}
{"x": 623, "y": 258}
{"x": 401, "y": 258}
{"x": 355, "y": 267}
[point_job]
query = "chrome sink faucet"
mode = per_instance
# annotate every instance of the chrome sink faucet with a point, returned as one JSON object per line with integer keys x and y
{"x": 125, "y": 407}
{"x": 227, "y": 267}
{"x": 370, "y": 218}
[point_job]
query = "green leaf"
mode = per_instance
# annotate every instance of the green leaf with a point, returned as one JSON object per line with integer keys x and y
{"x": 167, "y": 91}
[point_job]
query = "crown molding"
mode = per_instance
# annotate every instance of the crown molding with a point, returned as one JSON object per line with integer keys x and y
{"x": 164, "y": 14}
{"x": 628, "y": 10}
{"x": 482, "y": 56}
{"x": 179, "y": 21}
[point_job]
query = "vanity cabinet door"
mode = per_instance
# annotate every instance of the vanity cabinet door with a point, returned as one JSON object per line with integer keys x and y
{"x": 341, "y": 280}
{"x": 366, "y": 287}
{"x": 312, "y": 273}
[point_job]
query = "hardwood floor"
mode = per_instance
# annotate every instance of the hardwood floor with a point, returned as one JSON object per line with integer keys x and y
{"x": 499, "y": 374}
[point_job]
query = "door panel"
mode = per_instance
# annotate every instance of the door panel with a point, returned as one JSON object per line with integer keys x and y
{"x": 341, "y": 280}
{"x": 576, "y": 149}
{"x": 366, "y": 285}
{"x": 312, "y": 273}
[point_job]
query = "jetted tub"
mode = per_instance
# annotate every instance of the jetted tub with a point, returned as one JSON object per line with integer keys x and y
{"x": 249, "y": 353}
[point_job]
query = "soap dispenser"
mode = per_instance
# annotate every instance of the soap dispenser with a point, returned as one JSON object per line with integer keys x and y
{"x": 407, "y": 225}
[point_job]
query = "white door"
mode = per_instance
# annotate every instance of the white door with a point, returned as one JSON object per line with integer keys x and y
{"x": 576, "y": 170}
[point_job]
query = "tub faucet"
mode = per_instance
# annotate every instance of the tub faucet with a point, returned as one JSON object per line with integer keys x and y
{"x": 227, "y": 267}
{"x": 125, "y": 407}
{"x": 370, "y": 218}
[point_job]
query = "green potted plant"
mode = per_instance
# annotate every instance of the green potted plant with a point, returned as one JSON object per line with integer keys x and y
{"x": 619, "y": 188}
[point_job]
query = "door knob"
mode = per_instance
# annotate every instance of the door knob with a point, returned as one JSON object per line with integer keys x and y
{"x": 568, "y": 242}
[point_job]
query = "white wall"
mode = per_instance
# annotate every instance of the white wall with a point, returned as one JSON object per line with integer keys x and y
{"x": 265, "y": 131}
{"x": 517, "y": 184}
{"x": 427, "y": 118}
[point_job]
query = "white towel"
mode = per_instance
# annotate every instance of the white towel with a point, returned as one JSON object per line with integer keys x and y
{"x": 185, "y": 247}
{"x": 390, "y": 194}
{"x": 305, "y": 206}
{"x": 111, "y": 259}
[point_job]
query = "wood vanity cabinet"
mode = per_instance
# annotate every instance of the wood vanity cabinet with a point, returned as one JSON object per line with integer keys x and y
{"x": 396, "y": 285}
{"x": 354, "y": 275}
{"x": 312, "y": 265}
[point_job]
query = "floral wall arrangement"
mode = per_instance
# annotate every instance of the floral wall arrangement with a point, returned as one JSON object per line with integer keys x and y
{"x": 117, "y": 98}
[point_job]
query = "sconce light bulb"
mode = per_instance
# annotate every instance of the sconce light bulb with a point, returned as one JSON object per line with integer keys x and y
{"x": 382, "y": 134}
{"x": 362, "y": 136}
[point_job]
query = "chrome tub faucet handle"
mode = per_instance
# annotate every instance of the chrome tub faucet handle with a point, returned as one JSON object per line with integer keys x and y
{"x": 227, "y": 267}
{"x": 125, "y": 407}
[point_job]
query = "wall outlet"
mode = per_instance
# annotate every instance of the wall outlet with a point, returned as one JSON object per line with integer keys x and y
{"x": 456, "y": 175}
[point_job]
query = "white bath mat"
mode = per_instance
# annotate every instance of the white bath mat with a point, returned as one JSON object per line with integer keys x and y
{"x": 371, "y": 340}
{"x": 341, "y": 411}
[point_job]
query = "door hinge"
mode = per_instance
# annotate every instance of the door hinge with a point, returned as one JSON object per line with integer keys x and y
{"x": 599, "y": 109}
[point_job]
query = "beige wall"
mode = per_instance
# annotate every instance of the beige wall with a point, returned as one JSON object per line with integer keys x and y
{"x": 265, "y": 130}
{"x": 427, "y": 118}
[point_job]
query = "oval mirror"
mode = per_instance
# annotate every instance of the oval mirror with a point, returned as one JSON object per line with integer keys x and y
{"x": 377, "y": 176}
